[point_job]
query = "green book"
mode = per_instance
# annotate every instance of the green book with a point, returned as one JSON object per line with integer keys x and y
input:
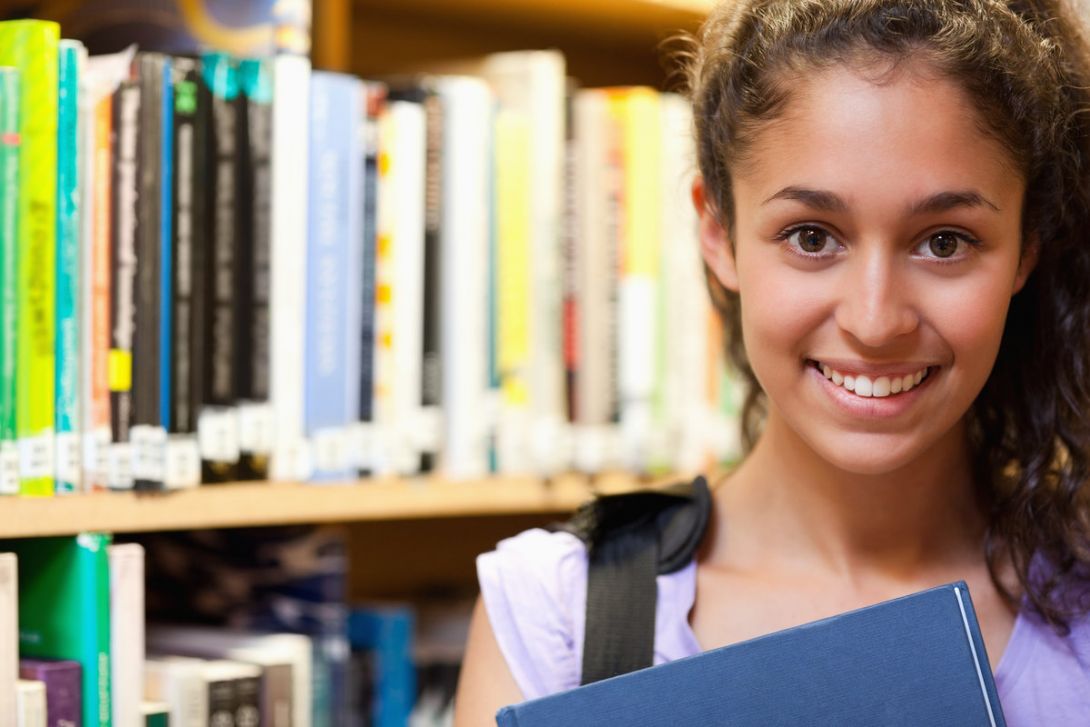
{"x": 155, "y": 714}
{"x": 9, "y": 231}
{"x": 32, "y": 47}
{"x": 64, "y": 610}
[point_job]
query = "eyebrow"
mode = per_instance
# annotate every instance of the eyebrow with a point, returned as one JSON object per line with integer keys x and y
{"x": 825, "y": 201}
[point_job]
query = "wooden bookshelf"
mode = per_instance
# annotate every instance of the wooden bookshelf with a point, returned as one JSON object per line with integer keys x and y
{"x": 258, "y": 504}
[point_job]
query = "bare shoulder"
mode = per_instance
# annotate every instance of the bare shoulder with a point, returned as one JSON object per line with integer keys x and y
{"x": 485, "y": 684}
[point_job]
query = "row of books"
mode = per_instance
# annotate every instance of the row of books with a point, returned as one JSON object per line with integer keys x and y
{"x": 242, "y": 269}
{"x": 74, "y": 648}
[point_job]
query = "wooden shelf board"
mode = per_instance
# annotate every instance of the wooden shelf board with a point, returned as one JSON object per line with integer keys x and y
{"x": 258, "y": 504}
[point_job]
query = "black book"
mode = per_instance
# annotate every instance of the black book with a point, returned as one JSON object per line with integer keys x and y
{"x": 255, "y": 196}
{"x": 219, "y": 425}
{"x": 146, "y": 412}
{"x": 123, "y": 249}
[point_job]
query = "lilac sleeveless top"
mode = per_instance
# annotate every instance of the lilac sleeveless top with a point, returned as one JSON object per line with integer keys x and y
{"x": 534, "y": 588}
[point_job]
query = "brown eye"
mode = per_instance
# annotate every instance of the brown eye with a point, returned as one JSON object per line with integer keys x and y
{"x": 943, "y": 244}
{"x": 812, "y": 239}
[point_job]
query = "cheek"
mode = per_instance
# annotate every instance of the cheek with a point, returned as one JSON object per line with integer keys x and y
{"x": 970, "y": 317}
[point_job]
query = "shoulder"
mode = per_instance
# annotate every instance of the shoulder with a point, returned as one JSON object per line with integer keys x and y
{"x": 534, "y": 589}
{"x": 1045, "y": 673}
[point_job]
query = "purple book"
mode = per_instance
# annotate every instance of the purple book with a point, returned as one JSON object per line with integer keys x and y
{"x": 63, "y": 695}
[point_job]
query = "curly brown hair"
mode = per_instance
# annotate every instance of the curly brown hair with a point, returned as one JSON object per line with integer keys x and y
{"x": 1026, "y": 65}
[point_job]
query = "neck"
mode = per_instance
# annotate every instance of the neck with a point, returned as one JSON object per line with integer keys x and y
{"x": 899, "y": 525}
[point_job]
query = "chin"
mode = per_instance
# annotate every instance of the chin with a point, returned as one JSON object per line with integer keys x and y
{"x": 868, "y": 455}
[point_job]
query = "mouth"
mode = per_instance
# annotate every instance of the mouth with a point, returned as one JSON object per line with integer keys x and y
{"x": 878, "y": 387}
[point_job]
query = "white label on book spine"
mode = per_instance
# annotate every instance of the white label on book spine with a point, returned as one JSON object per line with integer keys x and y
{"x": 119, "y": 466}
{"x": 427, "y": 428}
{"x": 9, "y": 468}
{"x": 330, "y": 449}
{"x": 96, "y": 444}
{"x": 256, "y": 428}
{"x": 36, "y": 456}
{"x": 183, "y": 463}
{"x": 217, "y": 433}
{"x": 148, "y": 452}
{"x": 361, "y": 445}
{"x": 68, "y": 458}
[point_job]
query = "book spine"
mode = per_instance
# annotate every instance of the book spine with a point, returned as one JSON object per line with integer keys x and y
{"x": 334, "y": 249}
{"x": 183, "y": 459}
{"x": 291, "y": 82}
{"x": 218, "y": 425}
{"x": 63, "y": 689}
{"x": 32, "y": 46}
{"x": 94, "y": 572}
{"x": 428, "y": 427}
{"x": 145, "y": 359}
{"x": 9, "y": 631}
{"x": 569, "y": 270}
{"x": 10, "y": 142}
{"x": 248, "y": 702}
{"x": 30, "y": 708}
{"x": 123, "y": 263}
{"x": 66, "y": 385}
{"x": 166, "y": 261}
{"x": 222, "y": 703}
{"x": 126, "y": 564}
{"x": 365, "y": 442}
{"x": 98, "y": 274}
{"x": 255, "y": 411}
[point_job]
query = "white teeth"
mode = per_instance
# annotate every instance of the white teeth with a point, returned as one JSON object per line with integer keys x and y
{"x": 878, "y": 387}
{"x": 881, "y": 386}
{"x": 863, "y": 386}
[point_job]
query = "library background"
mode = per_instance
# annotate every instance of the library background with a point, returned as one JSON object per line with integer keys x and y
{"x": 282, "y": 349}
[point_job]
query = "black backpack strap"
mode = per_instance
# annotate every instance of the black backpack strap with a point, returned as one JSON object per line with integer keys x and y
{"x": 631, "y": 539}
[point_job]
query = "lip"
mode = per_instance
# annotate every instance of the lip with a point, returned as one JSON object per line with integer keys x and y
{"x": 855, "y": 368}
{"x": 860, "y": 407}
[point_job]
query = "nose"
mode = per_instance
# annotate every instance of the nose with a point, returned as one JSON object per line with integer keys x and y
{"x": 875, "y": 305}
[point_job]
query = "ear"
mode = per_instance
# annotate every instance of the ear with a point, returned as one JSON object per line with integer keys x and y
{"x": 1030, "y": 254}
{"x": 715, "y": 245}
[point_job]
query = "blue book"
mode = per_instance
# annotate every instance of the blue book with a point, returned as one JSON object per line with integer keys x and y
{"x": 166, "y": 238}
{"x": 382, "y": 636}
{"x": 917, "y": 660}
{"x": 67, "y": 456}
{"x": 334, "y": 271}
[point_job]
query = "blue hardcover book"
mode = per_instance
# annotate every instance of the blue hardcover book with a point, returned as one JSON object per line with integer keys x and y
{"x": 334, "y": 271}
{"x": 382, "y": 638}
{"x": 917, "y": 660}
{"x": 166, "y": 242}
{"x": 67, "y": 456}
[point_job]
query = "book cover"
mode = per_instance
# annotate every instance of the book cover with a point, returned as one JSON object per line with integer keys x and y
{"x": 165, "y": 295}
{"x": 64, "y": 610}
{"x": 334, "y": 260}
{"x": 382, "y": 639}
{"x": 63, "y": 681}
{"x": 179, "y": 683}
{"x": 10, "y": 142}
{"x": 9, "y": 631}
{"x": 916, "y": 660}
{"x": 188, "y": 274}
{"x": 67, "y": 422}
{"x": 146, "y": 434}
{"x": 287, "y": 307}
{"x": 463, "y": 313}
{"x": 154, "y": 714}
{"x": 32, "y": 46}
{"x": 218, "y": 422}
{"x": 30, "y": 704}
{"x": 126, "y": 631}
{"x": 255, "y": 183}
{"x": 123, "y": 250}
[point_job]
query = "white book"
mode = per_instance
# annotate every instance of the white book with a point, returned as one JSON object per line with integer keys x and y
{"x": 126, "y": 631}
{"x": 686, "y": 303}
{"x": 30, "y": 704}
{"x": 180, "y": 683}
{"x": 406, "y": 279}
{"x": 465, "y": 230}
{"x": 287, "y": 304}
{"x": 9, "y": 631}
{"x": 533, "y": 83}
{"x": 266, "y": 650}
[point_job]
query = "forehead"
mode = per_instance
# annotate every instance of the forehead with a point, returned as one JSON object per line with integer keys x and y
{"x": 872, "y": 132}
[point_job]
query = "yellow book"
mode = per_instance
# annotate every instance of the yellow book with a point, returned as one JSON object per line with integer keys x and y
{"x": 32, "y": 47}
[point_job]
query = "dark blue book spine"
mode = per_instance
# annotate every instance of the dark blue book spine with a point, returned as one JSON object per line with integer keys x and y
{"x": 166, "y": 233}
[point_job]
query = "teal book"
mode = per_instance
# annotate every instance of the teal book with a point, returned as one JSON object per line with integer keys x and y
{"x": 10, "y": 141}
{"x": 64, "y": 610}
{"x": 67, "y": 266}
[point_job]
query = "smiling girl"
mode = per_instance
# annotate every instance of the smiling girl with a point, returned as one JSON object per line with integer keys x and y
{"x": 894, "y": 201}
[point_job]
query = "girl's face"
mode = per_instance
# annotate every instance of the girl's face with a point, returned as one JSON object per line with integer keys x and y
{"x": 877, "y": 247}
